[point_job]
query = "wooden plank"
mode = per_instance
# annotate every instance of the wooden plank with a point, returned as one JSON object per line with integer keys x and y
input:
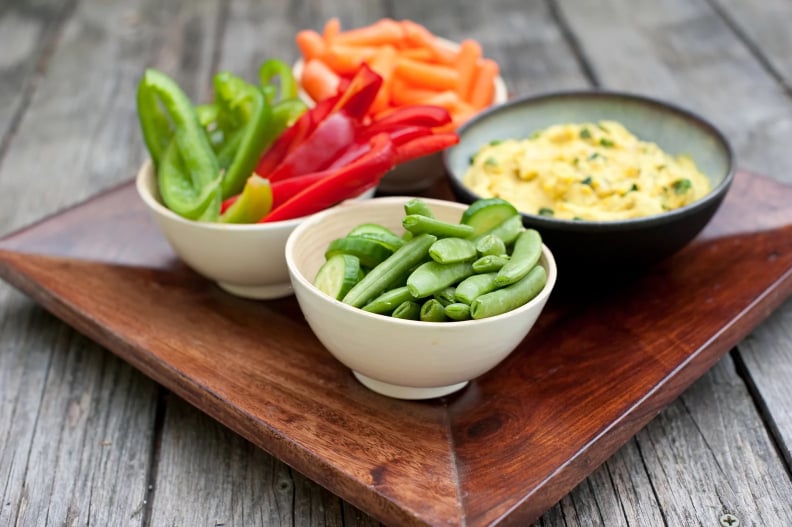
{"x": 29, "y": 34}
{"x": 690, "y": 56}
{"x": 205, "y": 471}
{"x": 764, "y": 27}
{"x": 767, "y": 364}
{"x": 75, "y": 446}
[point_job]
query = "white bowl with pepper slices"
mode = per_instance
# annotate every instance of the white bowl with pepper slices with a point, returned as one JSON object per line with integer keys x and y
{"x": 419, "y": 296}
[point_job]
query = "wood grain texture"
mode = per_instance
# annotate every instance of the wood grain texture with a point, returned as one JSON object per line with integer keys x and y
{"x": 718, "y": 49}
{"x": 691, "y": 54}
{"x": 506, "y": 448}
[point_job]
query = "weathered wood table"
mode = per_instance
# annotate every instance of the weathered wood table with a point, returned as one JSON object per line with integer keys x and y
{"x": 85, "y": 439}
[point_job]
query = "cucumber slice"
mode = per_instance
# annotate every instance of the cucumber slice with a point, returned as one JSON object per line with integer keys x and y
{"x": 378, "y": 233}
{"x": 370, "y": 252}
{"x": 338, "y": 275}
{"x": 486, "y": 214}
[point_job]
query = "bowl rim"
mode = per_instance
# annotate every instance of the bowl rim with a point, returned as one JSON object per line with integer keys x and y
{"x": 146, "y": 176}
{"x": 715, "y": 195}
{"x": 552, "y": 270}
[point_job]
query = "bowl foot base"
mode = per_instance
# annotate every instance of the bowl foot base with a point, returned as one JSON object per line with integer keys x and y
{"x": 407, "y": 392}
{"x": 262, "y": 292}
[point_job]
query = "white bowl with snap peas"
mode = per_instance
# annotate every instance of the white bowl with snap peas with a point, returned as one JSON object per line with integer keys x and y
{"x": 405, "y": 358}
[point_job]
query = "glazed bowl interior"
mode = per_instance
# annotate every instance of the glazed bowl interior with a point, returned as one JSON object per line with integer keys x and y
{"x": 606, "y": 244}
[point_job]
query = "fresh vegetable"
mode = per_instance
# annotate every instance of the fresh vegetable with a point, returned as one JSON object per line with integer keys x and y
{"x": 382, "y": 276}
{"x": 334, "y": 152}
{"x": 507, "y": 298}
{"x": 189, "y": 175}
{"x": 417, "y": 67}
{"x": 452, "y": 250}
{"x": 418, "y": 223}
{"x": 431, "y": 277}
{"x": 204, "y": 155}
{"x": 436, "y": 276}
{"x": 527, "y": 251}
{"x": 432, "y": 311}
{"x": 304, "y": 160}
{"x": 338, "y": 274}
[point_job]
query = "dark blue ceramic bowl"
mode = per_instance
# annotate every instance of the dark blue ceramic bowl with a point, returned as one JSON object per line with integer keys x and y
{"x": 606, "y": 244}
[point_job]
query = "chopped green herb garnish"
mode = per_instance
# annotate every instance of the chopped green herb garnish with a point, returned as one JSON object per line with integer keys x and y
{"x": 577, "y": 218}
{"x": 490, "y": 162}
{"x": 634, "y": 187}
{"x": 586, "y": 181}
{"x": 544, "y": 211}
{"x": 593, "y": 156}
{"x": 576, "y": 161}
{"x": 535, "y": 134}
{"x": 472, "y": 159}
{"x": 602, "y": 127}
{"x": 585, "y": 134}
{"x": 607, "y": 143}
{"x": 681, "y": 185}
{"x": 495, "y": 142}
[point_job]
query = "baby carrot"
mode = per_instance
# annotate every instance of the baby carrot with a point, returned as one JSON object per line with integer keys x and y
{"x": 345, "y": 60}
{"x": 331, "y": 29}
{"x": 418, "y": 36}
{"x": 421, "y": 54}
{"x": 383, "y": 63}
{"x": 405, "y": 94}
{"x": 434, "y": 76}
{"x": 319, "y": 81}
{"x": 384, "y": 31}
{"x": 310, "y": 43}
{"x": 466, "y": 65}
{"x": 483, "y": 88}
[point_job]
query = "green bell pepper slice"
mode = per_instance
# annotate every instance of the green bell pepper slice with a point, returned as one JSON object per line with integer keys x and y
{"x": 187, "y": 167}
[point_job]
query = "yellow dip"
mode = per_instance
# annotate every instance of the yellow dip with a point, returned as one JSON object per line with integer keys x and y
{"x": 591, "y": 171}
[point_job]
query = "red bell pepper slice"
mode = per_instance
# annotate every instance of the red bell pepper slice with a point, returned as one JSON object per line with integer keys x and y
{"x": 425, "y": 145}
{"x": 359, "y": 95}
{"x": 294, "y": 136}
{"x": 416, "y": 115}
{"x": 318, "y": 150}
{"x": 399, "y": 135}
{"x": 344, "y": 183}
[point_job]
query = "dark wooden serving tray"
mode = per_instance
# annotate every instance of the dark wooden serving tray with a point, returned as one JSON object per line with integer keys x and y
{"x": 595, "y": 369}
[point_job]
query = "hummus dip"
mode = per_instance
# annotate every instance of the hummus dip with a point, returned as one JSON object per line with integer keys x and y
{"x": 589, "y": 171}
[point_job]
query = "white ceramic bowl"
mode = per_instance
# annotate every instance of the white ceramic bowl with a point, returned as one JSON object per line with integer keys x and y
{"x": 420, "y": 173}
{"x": 405, "y": 359}
{"x": 245, "y": 260}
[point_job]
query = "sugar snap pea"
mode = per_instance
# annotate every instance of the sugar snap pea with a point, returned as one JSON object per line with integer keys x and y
{"x": 457, "y": 311}
{"x": 381, "y": 277}
{"x": 510, "y": 297}
{"x": 527, "y": 250}
{"x": 446, "y": 296}
{"x": 417, "y": 224}
{"x": 431, "y": 277}
{"x": 489, "y": 263}
{"x": 409, "y": 310}
{"x": 432, "y": 311}
{"x": 389, "y": 300}
{"x": 490, "y": 244}
{"x": 508, "y": 230}
{"x": 474, "y": 286}
{"x": 451, "y": 250}
{"x": 418, "y": 206}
